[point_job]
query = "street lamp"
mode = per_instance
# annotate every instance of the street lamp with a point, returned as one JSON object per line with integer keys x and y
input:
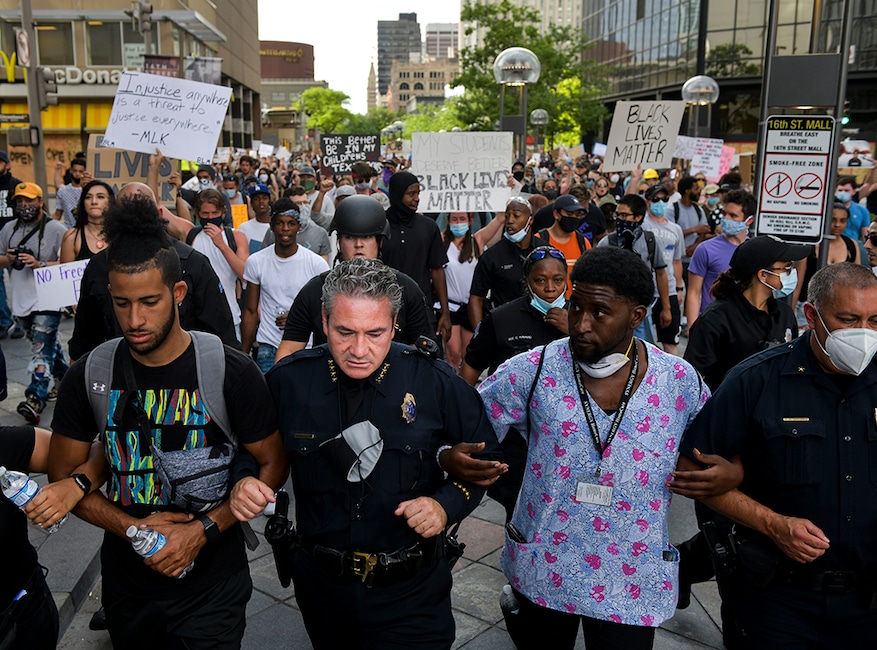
{"x": 519, "y": 67}
{"x": 538, "y": 117}
{"x": 696, "y": 92}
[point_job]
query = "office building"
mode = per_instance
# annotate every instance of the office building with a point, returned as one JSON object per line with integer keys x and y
{"x": 398, "y": 40}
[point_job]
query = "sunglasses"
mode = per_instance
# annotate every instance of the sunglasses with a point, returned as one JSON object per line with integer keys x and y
{"x": 871, "y": 237}
{"x": 663, "y": 199}
{"x": 541, "y": 254}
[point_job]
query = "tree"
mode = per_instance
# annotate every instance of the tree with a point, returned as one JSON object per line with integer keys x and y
{"x": 569, "y": 84}
{"x": 728, "y": 61}
{"x": 372, "y": 122}
{"x": 325, "y": 109}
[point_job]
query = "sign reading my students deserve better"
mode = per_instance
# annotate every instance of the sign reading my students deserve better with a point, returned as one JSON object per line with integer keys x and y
{"x": 182, "y": 118}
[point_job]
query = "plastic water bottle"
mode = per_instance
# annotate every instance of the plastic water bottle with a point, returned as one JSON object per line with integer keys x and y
{"x": 20, "y": 489}
{"x": 511, "y": 610}
{"x": 508, "y": 603}
{"x": 148, "y": 541}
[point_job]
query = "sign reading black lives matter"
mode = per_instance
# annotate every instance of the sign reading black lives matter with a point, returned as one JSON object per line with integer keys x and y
{"x": 341, "y": 151}
{"x": 794, "y": 178}
{"x": 462, "y": 172}
{"x": 643, "y": 133}
{"x": 182, "y": 118}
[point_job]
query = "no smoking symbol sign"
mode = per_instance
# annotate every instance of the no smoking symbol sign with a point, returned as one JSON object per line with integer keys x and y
{"x": 778, "y": 185}
{"x": 808, "y": 186}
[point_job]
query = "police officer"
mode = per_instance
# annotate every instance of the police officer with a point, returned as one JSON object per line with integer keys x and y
{"x": 801, "y": 417}
{"x": 362, "y": 226}
{"x": 363, "y": 418}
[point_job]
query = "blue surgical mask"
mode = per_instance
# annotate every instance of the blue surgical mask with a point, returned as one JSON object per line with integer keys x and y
{"x": 732, "y": 228}
{"x": 789, "y": 281}
{"x": 658, "y": 208}
{"x": 712, "y": 201}
{"x": 543, "y": 306}
{"x": 459, "y": 229}
{"x": 843, "y": 196}
{"x": 517, "y": 237}
{"x": 230, "y": 193}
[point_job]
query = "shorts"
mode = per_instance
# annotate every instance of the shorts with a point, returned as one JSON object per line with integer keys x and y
{"x": 670, "y": 334}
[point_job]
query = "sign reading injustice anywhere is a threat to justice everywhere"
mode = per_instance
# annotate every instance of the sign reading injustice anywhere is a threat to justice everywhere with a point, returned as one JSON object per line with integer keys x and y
{"x": 341, "y": 151}
{"x": 462, "y": 172}
{"x": 794, "y": 179}
{"x": 642, "y": 133}
{"x": 182, "y": 118}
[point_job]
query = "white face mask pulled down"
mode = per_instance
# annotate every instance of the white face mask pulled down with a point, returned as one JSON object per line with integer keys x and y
{"x": 608, "y": 365}
{"x": 849, "y": 349}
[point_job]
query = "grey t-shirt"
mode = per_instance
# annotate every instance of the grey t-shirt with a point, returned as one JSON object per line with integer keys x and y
{"x": 687, "y": 218}
{"x": 22, "y": 284}
{"x": 671, "y": 244}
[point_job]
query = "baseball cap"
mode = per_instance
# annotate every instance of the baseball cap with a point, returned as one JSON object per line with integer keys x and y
{"x": 28, "y": 191}
{"x": 307, "y": 171}
{"x": 345, "y": 190}
{"x": 258, "y": 188}
{"x": 762, "y": 251}
{"x": 649, "y": 174}
{"x": 654, "y": 190}
{"x": 608, "y": 198}
{"x": 569, "y": 203}
{"x": 4, "y": 157}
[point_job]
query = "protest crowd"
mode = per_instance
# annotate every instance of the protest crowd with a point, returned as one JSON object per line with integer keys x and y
{"x": 596, "y": 344}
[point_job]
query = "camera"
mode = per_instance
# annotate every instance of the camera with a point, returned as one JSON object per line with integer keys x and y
{"x": 17, "y": 264}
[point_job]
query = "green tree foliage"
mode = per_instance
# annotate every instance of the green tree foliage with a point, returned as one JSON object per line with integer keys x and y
{"x": 568, "y": 87}
{"x": 730, "y": 60}
{"x": 370, "y": 123}
{"x": 325, "y": 109}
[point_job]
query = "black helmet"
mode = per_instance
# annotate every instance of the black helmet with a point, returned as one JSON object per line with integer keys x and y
{"x": 360, "y": 216}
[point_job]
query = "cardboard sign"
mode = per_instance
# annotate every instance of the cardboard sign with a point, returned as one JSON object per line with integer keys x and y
{"x": 707, "y": 158}
{"x": 58, "y": 286}
{"x": 118, "y": 167}
{"x": 576, "y": 151}
{"x": 222, "y": 155}
{"x": 239, "y": 215}
{"x": 462, "y": 172}
{"x": 684, "y": 147}
{"x": 266, "y": 150}
{"x": 727, "y": 160}
{"x": 643, "y": 133}
{"x": 182, "y": 118}
{"x": 341, "y": 151}
{"x": 283, "y": 153}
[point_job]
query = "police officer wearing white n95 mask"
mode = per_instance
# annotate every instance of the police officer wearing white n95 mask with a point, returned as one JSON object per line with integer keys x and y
{"x": 802, "y": 419}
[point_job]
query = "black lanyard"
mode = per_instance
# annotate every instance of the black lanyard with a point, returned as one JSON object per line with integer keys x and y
{"x": 619, "y": 414}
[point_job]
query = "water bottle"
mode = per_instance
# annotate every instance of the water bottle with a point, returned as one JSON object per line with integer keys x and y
{"x": 148, "y": 541}
{"x": 20, "y": 489}
{"x": 511, "y": 610}
{"x": 508, "y": 603}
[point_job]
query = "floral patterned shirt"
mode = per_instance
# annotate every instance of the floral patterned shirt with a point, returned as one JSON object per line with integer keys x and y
{"x": 610, "y": 562}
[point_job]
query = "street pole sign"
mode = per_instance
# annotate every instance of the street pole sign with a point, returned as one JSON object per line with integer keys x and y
{"x": 795, "y": 182}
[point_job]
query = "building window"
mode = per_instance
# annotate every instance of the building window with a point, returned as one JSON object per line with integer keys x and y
{"x": 104, "y": 43}
{"x": 279, "y": 97}
{"x": 55, "y": 43}
{"x": 403, "y": 86}
{"x": 418, "y": 86}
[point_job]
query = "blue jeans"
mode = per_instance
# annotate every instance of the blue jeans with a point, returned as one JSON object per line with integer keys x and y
{"x": 265, "y": 357}
{"x": 5, "y": 313}
{"x": 42, "y": 332}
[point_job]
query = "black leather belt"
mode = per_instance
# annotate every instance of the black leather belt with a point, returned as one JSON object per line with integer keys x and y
{"x": 371, "y": 568}
{"x": 831, "y": 582}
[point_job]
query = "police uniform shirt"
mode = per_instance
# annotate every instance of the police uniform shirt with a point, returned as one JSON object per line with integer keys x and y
{"x": 808, "y": 443}
{"x": 732, "y": 329}
{"x": 500, "y": 271}
{"x": 306, "y": 314}
{"x": 506, "y": 331}
{"x": 415, "y": 248}
{"x": 416, "y": 404}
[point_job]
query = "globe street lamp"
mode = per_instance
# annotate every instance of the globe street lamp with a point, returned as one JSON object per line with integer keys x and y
{"x": 538, "y": 117}
{"x": 696, "y": 92}
{"x": 517, "y": 67}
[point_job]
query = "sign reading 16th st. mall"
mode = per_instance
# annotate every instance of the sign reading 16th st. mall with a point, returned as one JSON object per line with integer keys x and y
{"x": 794, "y": 179}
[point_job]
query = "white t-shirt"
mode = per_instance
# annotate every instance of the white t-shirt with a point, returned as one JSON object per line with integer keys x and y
{"x": 223, "y": 270}
{"x": 255, "y": 232}
{"x": 22, "y": 284}
{"x": 459, "y": 278}
{"x": 280, "y": 280}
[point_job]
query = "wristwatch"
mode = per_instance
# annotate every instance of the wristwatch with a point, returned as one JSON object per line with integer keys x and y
{"x": 83, "y": 482}
{"x": 211, "y": 530}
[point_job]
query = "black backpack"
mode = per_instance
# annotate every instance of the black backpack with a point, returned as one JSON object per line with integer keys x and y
{"x": 229, "y": 235}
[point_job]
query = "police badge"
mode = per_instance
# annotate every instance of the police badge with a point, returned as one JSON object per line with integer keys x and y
{"x": 409, "y": 408}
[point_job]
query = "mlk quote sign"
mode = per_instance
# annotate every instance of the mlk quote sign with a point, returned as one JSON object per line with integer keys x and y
{"x": 462, "y": 172}
{"x": 642, "y": 133}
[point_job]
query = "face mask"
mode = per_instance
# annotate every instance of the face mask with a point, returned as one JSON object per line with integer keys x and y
{"x": 309, "y": 186}
{"x": 627, "y": 232}
{"x": 712, "y": 201}
{"x": 518, "y": 236}
{"x": 590, "y": 183}
{"x": 305, "y": 216}
{"x": 570, "y": 224}
{"x": 732, "y": 228}
{"x": 216, "y": 221}
{"x": 843, "y": 196}
{"x": 789, "y": 281}
{"x": 608, "y": 365}
{"x": 230, "y": 193}
{"x": 518, "y": 175}
{"x": 386, "y": 175}
{"x": 459, "y": 229}
{"x": 614, "y": 178}
{"x": 658, "y": 208}
{"x": 204, "y": 183}
{"x": 263, "y": 178}
{"x": 850, "y": 350}
{"x": 27, "y": 211}
{"x": 543, "y": 306}
{"x": 361, "y": 187}
{"x": 550, "y": 194}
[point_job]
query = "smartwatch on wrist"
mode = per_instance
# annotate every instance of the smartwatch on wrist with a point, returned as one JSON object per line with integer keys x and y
{"x": 211, "y": 530}
{"x": 83, "y": 482}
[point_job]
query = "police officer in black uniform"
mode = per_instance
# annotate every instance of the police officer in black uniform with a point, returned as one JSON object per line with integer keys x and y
{"x": 801, "y": 417}
{"x": 362, "y": 226}
{"x": 363, "y": 419}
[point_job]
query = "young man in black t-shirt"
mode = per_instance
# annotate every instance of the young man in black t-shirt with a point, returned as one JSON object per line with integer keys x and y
{"x": 145, "y": 605}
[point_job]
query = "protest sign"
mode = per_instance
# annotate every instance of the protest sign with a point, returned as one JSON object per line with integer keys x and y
{"x": 599, "y": 149}
{"x": 58, "y": 286}
{"x": 239, "y": 215}
{"x": 576, "y": 151}
{"x": 727, "y": 160}
{"x": 643, "y": 133}
{"x": 118, "y": 167}
{"x": 707, "y": 158}
{"x": 266, "y": 150}
{"x": 684, "y": 147}
{"x": 283, "y": 153}
{"x": 182, "y": 118}
{"x": 341, "y": 151}
{"x": 222, "y": 155}
{"x": 462, "y": 172}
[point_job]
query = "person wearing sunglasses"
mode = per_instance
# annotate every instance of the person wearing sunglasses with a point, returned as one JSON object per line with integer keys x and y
{"x": 871, "y": 246}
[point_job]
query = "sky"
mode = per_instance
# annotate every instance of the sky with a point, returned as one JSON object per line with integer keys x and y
{"x": 344, "y": 34}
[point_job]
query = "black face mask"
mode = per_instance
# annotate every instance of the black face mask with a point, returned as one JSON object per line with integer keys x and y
{"x": 570, "y": 224}
{"x": 627, "y": 232}
{"x": 551, "y": 194}
{"x": 217, "y": 221}
{"x": 518, "y": 176}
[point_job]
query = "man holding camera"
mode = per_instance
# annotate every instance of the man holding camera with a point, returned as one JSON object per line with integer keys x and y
{"x": 32, "y": 241}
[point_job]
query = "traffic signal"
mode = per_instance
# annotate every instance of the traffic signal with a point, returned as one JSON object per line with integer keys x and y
{"x": 46, "y": 88}
{"x": 22, "y": 136}
{"x": 144, "y": 13}
{"x": 846, "y": 116}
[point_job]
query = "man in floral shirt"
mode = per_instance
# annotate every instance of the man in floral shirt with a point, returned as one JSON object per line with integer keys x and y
{"x": 588, "y": 542}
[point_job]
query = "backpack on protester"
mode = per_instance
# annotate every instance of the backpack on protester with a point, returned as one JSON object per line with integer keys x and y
{"x": 229, "y": 235}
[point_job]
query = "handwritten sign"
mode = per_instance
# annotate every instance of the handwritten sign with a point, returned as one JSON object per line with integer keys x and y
{"x": 118, "y": 167}
{"x": 684, "y": 147}
{"x": 222, "y": 155}
{"x": 341, "y": 151}
{"x": 643, "y": 133}
{"x": 707, "y": 158}
{"x": 182, "y": 118}
{"x": 576, "y": 151}
{"x": 283, "y": 153}
{"x": 266, "y": 150}
{"x": 727, "y": 160}
{"x": 239, "y": 215}
{"x": 58, "y": 286}
{"x": 462, "y": 172}
{"x": 599, "y": 149}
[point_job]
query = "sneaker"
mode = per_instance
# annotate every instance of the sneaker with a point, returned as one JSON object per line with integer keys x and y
{"x": 53, "y": 394}
{"x": 30, "y": 409}
{"x": 15, "y": 331}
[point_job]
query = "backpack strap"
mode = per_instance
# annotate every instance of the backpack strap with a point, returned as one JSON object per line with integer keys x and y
{"x": 533, "y": 386}
{"x": 210, "y": 365}
{"x": 99, "y": 379}
{"x": 229, "y": 236}
{"x": 190, "y": 236}
{"x": 650, "y": 244}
